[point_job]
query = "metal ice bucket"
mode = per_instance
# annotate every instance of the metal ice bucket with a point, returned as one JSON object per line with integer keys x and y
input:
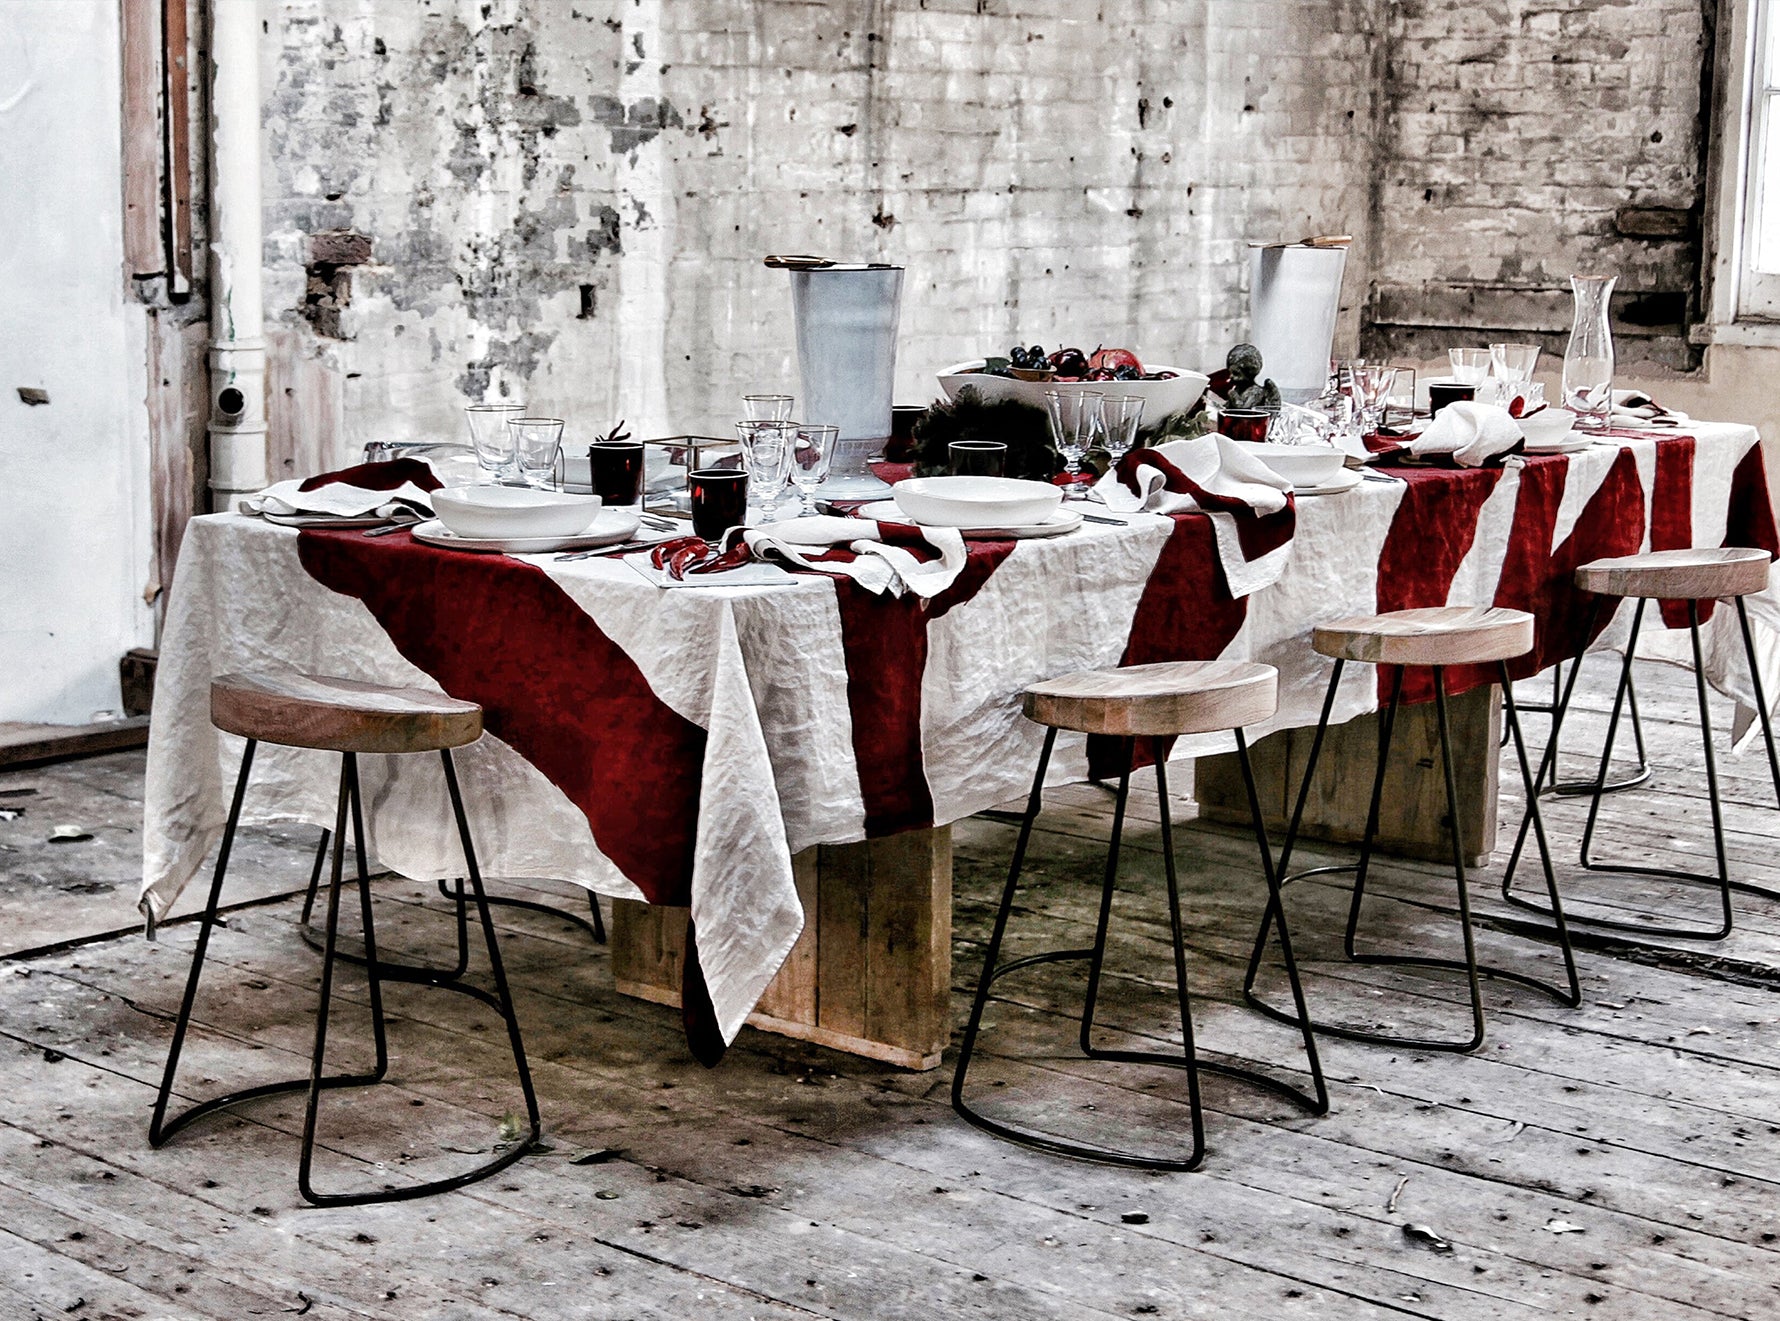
{"x": 1294, "y": 294}
{"x": 847, "y": 319}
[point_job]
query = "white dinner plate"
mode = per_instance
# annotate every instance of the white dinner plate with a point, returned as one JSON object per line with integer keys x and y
{"x": 611, "y": 527}
{"x": 1345, "y": 480}
{"x": 1572, "y": 443}
{"x": 324, "y": 522}
{"x": 1063, "y": 520}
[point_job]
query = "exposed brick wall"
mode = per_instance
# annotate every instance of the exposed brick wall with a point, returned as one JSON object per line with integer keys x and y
{"x": 1519, "y": 139}
{"x": 569, "y": 198}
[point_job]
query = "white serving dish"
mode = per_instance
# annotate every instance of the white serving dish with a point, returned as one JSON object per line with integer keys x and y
{"x": 976, "y": 501}
{"x": 1160, "y": 398}
{"x": 608, "y": 528}
{"x": 1301, "y": 465}
{"x": 505, "y": 512}
{"x": 1058, "y": 522}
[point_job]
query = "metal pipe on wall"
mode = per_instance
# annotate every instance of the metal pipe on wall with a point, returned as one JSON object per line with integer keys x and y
{"x": 237, "y": 427}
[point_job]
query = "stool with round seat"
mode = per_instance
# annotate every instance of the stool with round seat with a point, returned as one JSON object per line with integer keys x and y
{"x": 340, "y": 715}
{"x": 1709, "y": 574}
{"x": 1434, "y": 638}
{"x": 1164, "y": 700}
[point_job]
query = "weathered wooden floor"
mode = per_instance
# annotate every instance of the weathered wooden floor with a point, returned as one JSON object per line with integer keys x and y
{"x": 1620, "y": 1160}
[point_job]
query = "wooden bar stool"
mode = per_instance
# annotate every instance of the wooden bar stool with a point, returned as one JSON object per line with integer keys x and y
{"x": 1713, "y": 574}
{"x": 339, "y": 715}
{"x": 1166, "y": 700}
{"x": 1436, "y": 638}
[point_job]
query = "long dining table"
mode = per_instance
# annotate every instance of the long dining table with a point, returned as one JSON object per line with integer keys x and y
{"x": 780, "y": 761}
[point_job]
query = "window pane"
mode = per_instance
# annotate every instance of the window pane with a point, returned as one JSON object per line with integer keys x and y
{"x": 1768, "y": 53}
{"x": 1765, "y": 250}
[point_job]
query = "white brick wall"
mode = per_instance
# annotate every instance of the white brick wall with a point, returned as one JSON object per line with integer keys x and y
{"x": 1004, "y": 137}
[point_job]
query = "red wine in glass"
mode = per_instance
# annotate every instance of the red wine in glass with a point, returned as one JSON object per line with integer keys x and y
{"x": 617, "y": 468}
{"x": 719, "y": 500}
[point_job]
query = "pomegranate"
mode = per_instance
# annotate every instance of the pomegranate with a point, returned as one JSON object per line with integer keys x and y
{"x": 1113, "y": 359}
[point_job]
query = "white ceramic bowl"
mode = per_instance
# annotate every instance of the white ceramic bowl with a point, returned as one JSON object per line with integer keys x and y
{"x": 1549, "y": 426}
{"x": 976, "y": 501}
{"x": 1301, "y": 465}
{"x": 513, "y": 511}
{"x": 1160, "y": 398}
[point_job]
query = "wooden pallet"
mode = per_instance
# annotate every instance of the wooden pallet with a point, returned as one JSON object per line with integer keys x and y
{"x": 869, "y": 974}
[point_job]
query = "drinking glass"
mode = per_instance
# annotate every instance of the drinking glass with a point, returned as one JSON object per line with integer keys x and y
{"x": 1399, "y": 403}
{"x": 1119, "y": 417}
{"x": 1469, "y": 366}
{"x": 1245, "y": 423}
{"x": 1075, "y": 421}
{"x": 809, "y": 462}
{"x": 1514, "y": 363}
{"x": 1372, "y": 386}
{"x": 767, "y": 448}
{"x": 616, "y": 470}
{"x": 767, "y": 407}
{"x": 536, "y": 442}
{"x": 977, "y": 458}
{"x": 490, "y": 438}
{"x": 1442, "y": 393}
{"x": 719, "y": 500}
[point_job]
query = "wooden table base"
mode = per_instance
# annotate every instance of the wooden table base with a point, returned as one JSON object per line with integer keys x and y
{"x": 1412, "y": 814}
{"x": 871, "y": 973}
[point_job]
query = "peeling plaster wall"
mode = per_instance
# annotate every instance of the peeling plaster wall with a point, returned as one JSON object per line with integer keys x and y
{"x": 568, "y": 200}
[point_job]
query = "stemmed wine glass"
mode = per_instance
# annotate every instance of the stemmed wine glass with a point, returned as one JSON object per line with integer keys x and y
{"x": 1372, "y": 384}
{"x": 1119, "y": 418}
{"x": 767, "y": 449}
{"x": 1075, "y": 421}
{"x": 810, "y": 460}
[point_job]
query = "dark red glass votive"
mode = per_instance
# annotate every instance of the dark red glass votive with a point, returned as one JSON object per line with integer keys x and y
{"x": 977, "y": 458}
{"x": 719, "y": 500}
{"x": 1442, "y": 393}
{"x": 1244, "y": 423}
{"x": 617, "y": 468}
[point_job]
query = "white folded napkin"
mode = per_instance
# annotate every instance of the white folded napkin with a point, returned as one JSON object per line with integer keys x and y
{"x": 1470, "y": 433}
{"x": 338, "y": 500}
{"x": 1218, "y": 472}
{"x": 880, "y": 557}
{"x": 1250, "y": 507}
{"x": 1633, "y": 409}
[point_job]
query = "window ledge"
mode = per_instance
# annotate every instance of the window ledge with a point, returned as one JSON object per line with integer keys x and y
{"x": 1742, "y": 334}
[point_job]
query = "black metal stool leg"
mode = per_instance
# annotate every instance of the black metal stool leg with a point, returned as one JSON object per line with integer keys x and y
{"x": 500, "y": 1000}
{"x": 160, "y": 1129}
{"x": 1097, "y": 959}
{"x": 321, "y": 857}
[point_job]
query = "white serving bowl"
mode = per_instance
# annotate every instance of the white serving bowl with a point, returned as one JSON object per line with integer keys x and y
{"x": 513, "y": 511}
{"x": 1549, "y": 426}
{"x": 1301, "y": 465}
{"x": 976, "y": 501}
{"x": 1160, "y": 398}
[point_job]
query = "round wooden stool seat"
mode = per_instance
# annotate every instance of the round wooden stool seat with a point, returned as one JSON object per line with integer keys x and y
{"x": 1710, "y": 574}
{"x": 340, "y": 715}
{"x": 1174, "y": 697}
{"x": 1440, "y": 635}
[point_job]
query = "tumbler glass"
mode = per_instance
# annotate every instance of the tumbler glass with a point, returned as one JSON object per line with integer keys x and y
{"x": 490, "y": 438}
{"x": 536, "y": 442}
{"x": 977, "y": 458}
{"x": 616, "y": 467}
{"x": 719, "y": 500}
{"x": 767, "y": 407}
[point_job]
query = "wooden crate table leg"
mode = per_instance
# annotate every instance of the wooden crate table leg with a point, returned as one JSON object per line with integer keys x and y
{"x": 1412, "y": 815}
{"x": 871, "y": 973}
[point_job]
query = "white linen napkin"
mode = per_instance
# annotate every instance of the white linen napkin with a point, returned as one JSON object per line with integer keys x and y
{"x": 1471, "y": 433}
{"x": 887, "y": 557}
{"x": 337, "y": 500}
{"x": 1635, "y": 410}
{"x": 1224, "y": 480}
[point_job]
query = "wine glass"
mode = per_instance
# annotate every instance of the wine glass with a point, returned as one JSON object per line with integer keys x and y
{"x": 810, "y": 460}
{"x": 1075, "y": 421}
{"x": 1469, "y": 366}
{"x": 767, "y": 407}
{"x": 1119, "y": 417}
{"x": 767, "y": 448}
{"x": 1372, "y": 386}
{"x": 491, "y": 439}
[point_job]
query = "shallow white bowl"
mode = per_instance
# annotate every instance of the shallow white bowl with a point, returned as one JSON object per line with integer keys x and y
{"x": 1301, "y": 465}
{"x": 1549, "y": 426}
{"x": 513, "y": 511}
{"x": 1160, "y": 398}
{"x": 976, "y": 501}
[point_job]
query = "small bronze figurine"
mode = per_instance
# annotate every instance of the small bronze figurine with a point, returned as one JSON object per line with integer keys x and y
{"x": 1246, "y": 389}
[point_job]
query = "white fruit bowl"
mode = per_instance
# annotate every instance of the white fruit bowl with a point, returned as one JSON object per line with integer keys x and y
{"x": 976, "y": 501}
{"x": 1301, "y": 465}
{"x": 1160, "y": 398}
{"x": 513, "y": 511}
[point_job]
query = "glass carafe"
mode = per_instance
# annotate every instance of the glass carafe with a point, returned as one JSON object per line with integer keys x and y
{"x": 1588, "y": 362}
